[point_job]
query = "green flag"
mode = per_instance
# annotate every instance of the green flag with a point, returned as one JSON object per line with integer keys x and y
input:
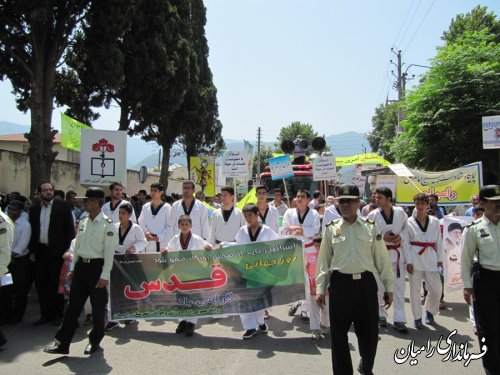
{"x": 70, "y": 132}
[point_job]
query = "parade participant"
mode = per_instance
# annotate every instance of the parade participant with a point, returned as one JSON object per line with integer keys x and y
{"x": 268, "y": 215}
{"x": 227, "y": 220}
{"x": 186, "y": 240}
{"x": 95, "y": 247}
{"x": 475, "y": 201}
{"x": 278, "y": 203}
{"x": 131, "y": 240}
{"x": 391, "y": 223}
{"x": 302, "y": 223}
{"x": 481, "y": 239}
{"x": 353, "y": 250}
{"x": 15, "y": 296}
{"x": 192, "y": 207}
{"x": 316, "y": 199}
{"x": 111, "y": 208}
{"x": 330, "y": 200}
{"x": 52, "y": 229}
{"x": 424, "y": 256}
{"x": 332, "y": 213}
{"x": 433, "y": 199}
{"x": 371, "y": 206}
{"x": 6, "y": 239}
{"x": 320, "y": 320}
{"x": 254, "y": 231}
{"x": 155, "y": 220}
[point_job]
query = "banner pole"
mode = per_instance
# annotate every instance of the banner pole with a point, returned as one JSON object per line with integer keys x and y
{"x": 411, "y": 182}
{"x": 286, "y": 192}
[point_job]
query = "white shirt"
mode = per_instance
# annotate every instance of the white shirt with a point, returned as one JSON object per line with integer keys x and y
{"x": 225, "y": 231}
{"x": 45, "y": 222}
{"x": 428, "y": 259}
{"x": 331, "y": 214}
{"x": 113, "y": 213}
{"x": 311, "y": 224}
{"x": 159, "y": 225}
{"x": 272, "y": 219}
{"x": 398, "y": 226}
{"x": 22, "y": 234}
{"x": 135, "y": 237}
{"x": 266, "y": 234}
{"x": 313, "y": 203}
{"x": 195, "y": 243}
{"x": 281, "y": 208}
{"x": 198, "y": 215}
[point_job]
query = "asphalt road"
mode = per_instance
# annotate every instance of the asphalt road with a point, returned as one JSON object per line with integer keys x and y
{"x": 217, "y": 348}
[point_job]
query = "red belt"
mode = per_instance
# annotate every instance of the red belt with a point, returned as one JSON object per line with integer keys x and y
{"x": 424, "y": 245}
{"x": 396, "y": 247}
{"x": 310, "y": 244}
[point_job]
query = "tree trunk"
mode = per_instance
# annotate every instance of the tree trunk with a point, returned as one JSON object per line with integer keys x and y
{"x": 165, "y": 161}
{"x": 124, "y": 116}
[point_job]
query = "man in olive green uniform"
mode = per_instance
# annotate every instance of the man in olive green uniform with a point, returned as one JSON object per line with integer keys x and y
{"x": 481, "y": 239}
{"x": 6, "y": 239}
{"x": 95, "y": 245}
{"x": 352, "y": 250}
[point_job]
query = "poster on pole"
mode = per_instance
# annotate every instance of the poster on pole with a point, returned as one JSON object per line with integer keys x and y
{"x": 281, "y": 167}
{"x": 324, "y": 168}
{"x": 235, "y": 164}
{"x": 400, "y": 170}
{"x": 491, "y": 132}
{"x": 103, "y": 157}
{"x": 202, "y": 173}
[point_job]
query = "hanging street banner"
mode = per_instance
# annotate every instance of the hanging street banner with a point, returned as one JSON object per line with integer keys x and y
{"x": 235, "y": 164}
{"x": 453, "y": 187}
{"x": 70, "y": 132}
{"x": 491, "y": 132}
{"x": 370, "y": 158}
{"x": 281, "y": 167}
{"x": 324, "y": 168}
{"x": 453, "y": 228}
{"x": 202, "y": 173}
{"x": 199, "y": 283}
{"x": 103, "y": 157}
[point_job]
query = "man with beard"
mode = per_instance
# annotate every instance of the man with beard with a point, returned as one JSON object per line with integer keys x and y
{"x": 112, "y": 208}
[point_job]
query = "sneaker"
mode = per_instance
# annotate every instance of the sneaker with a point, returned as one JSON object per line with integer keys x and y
{"x": 110, "y": 326}
{"x": 418, "y": 324}
{"x": 429, "y": 318}
{"x": 249, "y": 334}
{"x": 263, "y": 328}
{"x": 400, "y": 327}
{"x": 88, "y": 320}
{"x": 382, "y": 322}
{"x": 189, "y": 329}
{"x": 181, "y": 327}
{"x": 293, "y": 309}
{"x": 316, "y": 335}
{"x": 304, "y": 318}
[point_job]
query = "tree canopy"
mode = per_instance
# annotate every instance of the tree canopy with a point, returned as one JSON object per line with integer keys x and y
{"x": 384, "y": 129}
{"x": 296, "y": 128}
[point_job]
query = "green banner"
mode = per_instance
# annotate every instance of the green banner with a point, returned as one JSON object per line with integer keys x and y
{"x": 200, "y": 283}
{"x": 71, "y": 132}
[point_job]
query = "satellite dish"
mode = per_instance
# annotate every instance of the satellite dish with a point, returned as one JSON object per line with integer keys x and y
{"x": 287, "y": 146}
{"x": 143, "y": 174}
{"x": 319, "y": 143}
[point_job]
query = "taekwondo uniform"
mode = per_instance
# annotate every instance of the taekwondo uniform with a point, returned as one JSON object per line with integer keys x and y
{"x": 198, "y": 213}
{"x": 158, "y": 222}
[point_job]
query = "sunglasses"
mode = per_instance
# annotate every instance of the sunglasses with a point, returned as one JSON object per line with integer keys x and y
{"x": 348, "y": 201}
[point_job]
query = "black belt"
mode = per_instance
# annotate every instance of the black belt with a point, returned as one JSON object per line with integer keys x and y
{"x": 157, "y": 243}
{"x": 90, "y": 260}
{"x": 350, "y": 276}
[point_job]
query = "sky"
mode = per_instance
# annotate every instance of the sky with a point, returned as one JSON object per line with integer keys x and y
{"x": 322, "y": 62}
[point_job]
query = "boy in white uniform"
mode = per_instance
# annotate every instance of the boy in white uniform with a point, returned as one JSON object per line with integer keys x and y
{"x": 227, "y": 220}
{"x": 424, "y": 256}
{"x": 268, "y": 215}
{"x": 186, "y": 240}
{"x": 192, "y": 207}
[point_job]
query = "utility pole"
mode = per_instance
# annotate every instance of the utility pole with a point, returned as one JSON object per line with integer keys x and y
{"x": 258, "y": 155}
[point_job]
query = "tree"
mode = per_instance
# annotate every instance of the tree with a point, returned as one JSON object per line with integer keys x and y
{"x": 443, "y": 114}
{"x": 476, "y": 20}
{"x": 33, "y": 38}
{"x": 296, "y": 128}
{"x": 266, "y": 153}
{"x": 384, "y": 130}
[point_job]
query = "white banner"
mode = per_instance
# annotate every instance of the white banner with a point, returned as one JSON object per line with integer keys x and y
{"x": 491, "y": 132}
{"x": 103, "y": 157}
{"x": 235, "y": 164}
{"x": 400, "y": 170}
{"x": 324, "y": 168}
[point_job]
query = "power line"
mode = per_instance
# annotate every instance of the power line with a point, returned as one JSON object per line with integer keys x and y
{"x": 420, "y": 25}
{"x": 403, "y": 23}
{"x": 410, "y": 21}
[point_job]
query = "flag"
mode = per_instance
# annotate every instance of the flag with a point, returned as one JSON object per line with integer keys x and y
{"x": 70, "y": 132}
{"x": 251, "y": 197}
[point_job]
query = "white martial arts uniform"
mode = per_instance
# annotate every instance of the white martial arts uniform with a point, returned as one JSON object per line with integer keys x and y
{"x": 311, "y": 226}
{"x": 195, "y": 243}
{"x": 281, "y": 208}
{"x": 221, "y": 231}
{"x": 198, "y": 214}
{"x": 158, "y": 223}
{"x": 271, "y": 218}
{"x": 424, "y": 260}
{"x": 254, "y": 319}
{"x": 112, "y": 211}
{"x": 396, "y": 224}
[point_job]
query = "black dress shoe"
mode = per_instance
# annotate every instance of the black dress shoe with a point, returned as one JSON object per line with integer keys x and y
{"x": 189, "y": 329}
{"x": 57, "y": 322}
{"x": 57, "y": 349}
{"x": 181, "y": 327}
{"x": 89, "y": 349}
{"x": 41, "y": 321}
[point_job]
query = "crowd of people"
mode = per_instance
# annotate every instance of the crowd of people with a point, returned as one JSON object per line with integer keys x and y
{"x": 365, "y": 249}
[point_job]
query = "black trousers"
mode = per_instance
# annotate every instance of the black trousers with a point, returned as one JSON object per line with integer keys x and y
{"x": 83, "y": 286}
{"x": 47, "y": 271}
{"x": 353, "y": 301}
{"x": 14, "y": 298}
{"x": 487, "y": 315}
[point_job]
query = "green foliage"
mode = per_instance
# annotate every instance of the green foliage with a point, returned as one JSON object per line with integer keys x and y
{"x": 384, "y": 124}
{"x": 476, "y": 20}
{"x": 266, "y": 153}
{"x": 296, "y": 128}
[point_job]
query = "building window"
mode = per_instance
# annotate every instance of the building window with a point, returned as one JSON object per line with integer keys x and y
{"x": 74, "y": 156}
